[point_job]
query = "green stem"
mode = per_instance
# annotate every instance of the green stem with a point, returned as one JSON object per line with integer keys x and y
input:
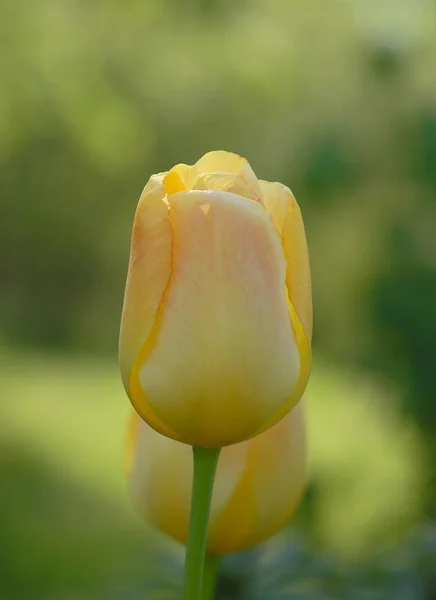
{"x": 210, "y": 573}
{"x": 205, "y": 464}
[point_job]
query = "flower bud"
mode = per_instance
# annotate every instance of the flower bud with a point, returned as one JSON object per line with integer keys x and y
{"x": 217, "y": 317}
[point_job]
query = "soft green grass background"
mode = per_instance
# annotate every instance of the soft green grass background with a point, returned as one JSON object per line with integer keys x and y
{"x": 66, "y": 520}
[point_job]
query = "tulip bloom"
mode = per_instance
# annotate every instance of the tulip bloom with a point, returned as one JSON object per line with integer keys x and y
{"x": 258, "y": 484}
{"x": 217, "y": 317}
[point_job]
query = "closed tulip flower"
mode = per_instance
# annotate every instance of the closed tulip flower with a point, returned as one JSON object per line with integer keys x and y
{"x": 258, "y": 485}
{"x": 217, "y": 317}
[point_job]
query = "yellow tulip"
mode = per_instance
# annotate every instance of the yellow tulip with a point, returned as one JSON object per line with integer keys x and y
{"x": 258, "y": 485}
{"x": 217, "y": 317}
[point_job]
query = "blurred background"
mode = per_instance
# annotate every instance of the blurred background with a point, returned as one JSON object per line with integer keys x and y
{"x": 335, "y": 98}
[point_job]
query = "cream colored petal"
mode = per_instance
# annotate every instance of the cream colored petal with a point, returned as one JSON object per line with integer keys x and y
{"x": 231, "y": 466}
{"x": 227, "y": 182}
{"x": 213, "y": 172}
{"x": 161, "y": 480}
{"x": 148, "y": 274}
{"x": 285, "y": 212}
{"x": 179, "y": 179}
{"x": 226, "y": 162}
{"x": 225, "y": 358}
{"x": 220, "y": 161}
{"x": 280, "y": 465}
{"x": 277, "y": 199}
{"x": 305, "y": 368}
{"x": 161, "y": 472}
{"x": 269, "y": 491}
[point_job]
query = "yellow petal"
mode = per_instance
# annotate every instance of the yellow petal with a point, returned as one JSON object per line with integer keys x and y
{"x": 148, "y": 274}
{"x": 226, "y": 162}
{"x": 285, "y": 212}
{"x": 214, "y": 171}
{"x": 269, "y": 491}
{"x": 225, "y": 357}
{"x": 284, "y": 443}
{"x": 227, "y": 182}
{"x": 220, "y": 161}
{"x": 229, "y": 529}
{"x": 179, "y": 178}
{"x": 174, "y": 182}
{"x": 161, "y": 473}
{"x": 305, "y": 369}
{"x": 161, "y": 479}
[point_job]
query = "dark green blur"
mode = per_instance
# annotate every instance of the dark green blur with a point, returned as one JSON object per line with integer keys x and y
{"x": 336, "y": 99}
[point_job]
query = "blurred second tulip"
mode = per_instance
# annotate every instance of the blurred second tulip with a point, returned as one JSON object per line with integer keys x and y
{"x": 258, "y": 487}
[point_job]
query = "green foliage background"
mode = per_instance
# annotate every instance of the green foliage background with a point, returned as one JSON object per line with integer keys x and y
{"x": 335, "y": 98}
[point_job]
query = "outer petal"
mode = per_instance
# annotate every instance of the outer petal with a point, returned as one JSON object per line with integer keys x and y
{"x": 225, "y": 358}
{"x": 148, "y": 274}
{"x": 220, "y": 161}
{"x": 161, "y": 473}
{"x": 147, "y": 279}
{"x": 269, "y": 491}
{"x": 227, "y": 182}
{"x": 226, "y": 162}
{"x": 285, "y": 212}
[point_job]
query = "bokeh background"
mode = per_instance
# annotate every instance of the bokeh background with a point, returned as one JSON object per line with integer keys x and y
{"x": 335, "y": 98}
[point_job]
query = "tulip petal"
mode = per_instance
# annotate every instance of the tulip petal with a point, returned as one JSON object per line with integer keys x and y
{"x": 286, "y": 215}
{"x": 287, "y": 439}
{"x": 165, "y": 499}
{"x": 227, "y": 162}
{"x": 305, "y": 368}
{"x": 227, "y": 182}
{"x": 224, "y": 359}
{"x": 267, "y": 494}
{"x": 174, "y": 182}
{"x": 220, "y": 161}
{"x": 186, "y": 175}
{"x": 237, "y": 517}
{"x": 148, "y": 274}
{"x": 214, "y": 171}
